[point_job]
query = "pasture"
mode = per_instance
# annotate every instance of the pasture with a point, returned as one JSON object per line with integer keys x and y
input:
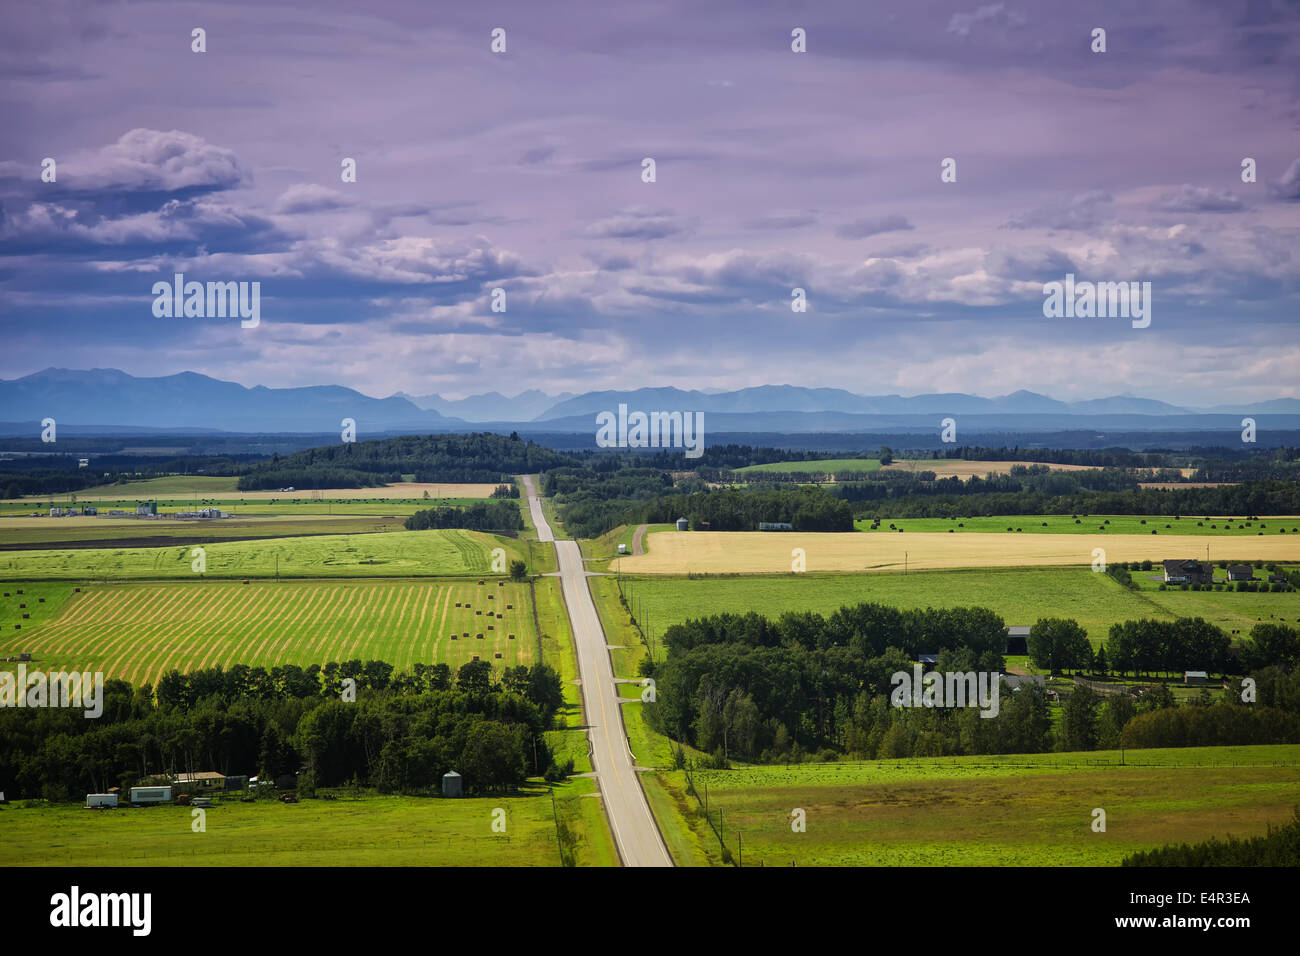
{"x": 348, "y": 831}
{"x": 182, "y": 488}
{"x": 1023, "y": 810}
{"x": 138, "y": 632}
{"x": 1199, "y": 525}
{"x": 1020, "y": 596}
{"x": 757, "y": 552}
{"x": 823, "y": 467}
{"x": 84, "y": 531}
{"x": 386, "y": 554}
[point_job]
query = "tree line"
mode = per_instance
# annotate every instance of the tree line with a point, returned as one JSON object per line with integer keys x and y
{"x": 479, "y": 516}
{"x": 402, "y": 733}
{"x": 479, "y": 457}
{"x": 805, "y": 685}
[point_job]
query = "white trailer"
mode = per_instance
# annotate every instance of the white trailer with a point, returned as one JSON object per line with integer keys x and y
{"x": 101, "y": 800}
{"x": 151, "y": 794}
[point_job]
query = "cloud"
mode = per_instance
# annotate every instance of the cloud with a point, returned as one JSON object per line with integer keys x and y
{"x": 637, "y": 223}
{"x": 149, "y": 160}
{"x": 1288, "y": 187}
{"x": 993, "y": 14}
{"x": 1200, "y": 199}
{"x": 539, "y": 154}
{"x": 1082, "y": 212}
{"x": 790, "y": 221}
{"x": 862, "y": 228}
{"x": 309, "y": 197}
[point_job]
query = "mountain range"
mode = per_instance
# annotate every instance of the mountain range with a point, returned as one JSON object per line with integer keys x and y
{"x": 109, "y": 398}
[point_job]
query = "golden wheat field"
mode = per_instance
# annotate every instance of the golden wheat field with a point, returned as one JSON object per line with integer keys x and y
{"x": 758, "y": 552}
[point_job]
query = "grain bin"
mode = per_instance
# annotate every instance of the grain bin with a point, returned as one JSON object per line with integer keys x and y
{"x": 451, "y": 784}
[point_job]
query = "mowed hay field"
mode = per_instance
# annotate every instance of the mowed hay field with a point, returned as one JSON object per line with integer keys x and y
{"x": 757, "y": 552}
{"x": 413, "y": 553}
{"x": 1023, "y": 810}
{"x": 138, "y": 632}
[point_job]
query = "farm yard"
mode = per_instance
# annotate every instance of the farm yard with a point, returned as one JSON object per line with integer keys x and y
{"x": 138, "y": 632}
{"x": 757, "y": 552}
{"x": 414, "y": 553}
{"x": 1022, "y": 810}
{"x": 346, "y": 831}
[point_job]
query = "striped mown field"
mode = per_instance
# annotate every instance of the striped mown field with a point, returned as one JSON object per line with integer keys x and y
{"x": 138, "y": 632}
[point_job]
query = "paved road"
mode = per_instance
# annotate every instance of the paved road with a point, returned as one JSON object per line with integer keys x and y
{"x": 638, "y": 839}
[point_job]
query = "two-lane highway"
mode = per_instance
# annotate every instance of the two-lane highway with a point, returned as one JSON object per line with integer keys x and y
{"x": 635, "y": 832}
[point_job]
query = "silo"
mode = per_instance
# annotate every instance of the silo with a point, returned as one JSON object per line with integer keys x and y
{"x": 451, "y": 784}
{"x": 683, "y": 524}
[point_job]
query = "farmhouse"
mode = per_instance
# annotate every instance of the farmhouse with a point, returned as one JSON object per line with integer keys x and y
{"x": 1241, "y": 572}
{"x": 1187, "y": 572}
{"x": 203, "y": 780}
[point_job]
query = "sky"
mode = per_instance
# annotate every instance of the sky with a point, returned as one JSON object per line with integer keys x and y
{"x": 774, "y": 170}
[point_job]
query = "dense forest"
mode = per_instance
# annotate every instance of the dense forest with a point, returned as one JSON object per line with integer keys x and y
{"x": 402, "y": 733}
{"x": 480, "y": 457}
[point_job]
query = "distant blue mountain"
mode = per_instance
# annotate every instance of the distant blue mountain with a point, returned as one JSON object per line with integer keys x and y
{"x": 108, "y": 398}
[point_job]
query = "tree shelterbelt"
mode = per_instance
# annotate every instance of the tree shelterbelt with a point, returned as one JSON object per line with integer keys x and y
{"x": 480, "y": 516}
{"x": 400, "y": 733}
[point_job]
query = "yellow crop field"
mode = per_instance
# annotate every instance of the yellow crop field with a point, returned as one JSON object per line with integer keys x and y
{"x": 758, "y": 552}
{"x": 957, "y": 468}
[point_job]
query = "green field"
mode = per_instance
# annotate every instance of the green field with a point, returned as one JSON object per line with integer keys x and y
{"x": 1025, "y": 810}
{"x": 1020, "y": 596}
{"x": 46, "y": 532}
{"x": 827, "y": 466}
{"x": 241, "y": 507}
{"x": 170, "y": 485}
{"x": 1066, "y": 524}
{"x": 365, "y": 831}
{"x": 138, "y": 632}
{"x": 407, "y": 553}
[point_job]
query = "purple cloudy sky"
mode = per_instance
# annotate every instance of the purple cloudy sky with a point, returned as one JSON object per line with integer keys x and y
{"x": 775, "y": 169}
